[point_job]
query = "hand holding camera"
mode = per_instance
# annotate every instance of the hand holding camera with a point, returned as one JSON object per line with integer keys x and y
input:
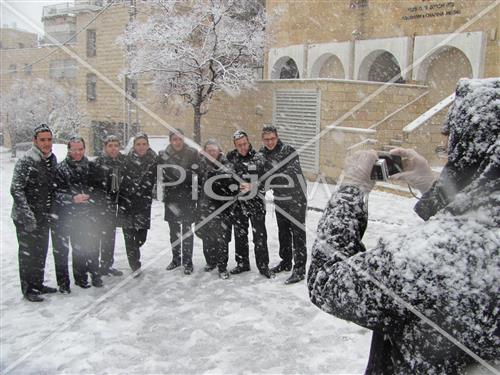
{"x": 417, "y": 172}
{"x": 358, "y": 169}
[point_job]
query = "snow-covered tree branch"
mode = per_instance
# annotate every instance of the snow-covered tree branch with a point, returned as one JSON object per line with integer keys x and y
{"x": 194, "y": 49}
{"x": 30, "y": 103}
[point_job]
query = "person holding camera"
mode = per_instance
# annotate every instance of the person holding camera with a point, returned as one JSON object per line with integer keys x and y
{"x": 33, "y": 196}
{"x": 106, "y": 177}
{"x": 214, "y": 190}
{"x": 179, "y": 162}
{"x": 289, "y": 196}
{"x": 430, "y": 296}
{"x": 135, "y": 197}
{"x": 249, "y": 165}
{"x": 76, "y": 220}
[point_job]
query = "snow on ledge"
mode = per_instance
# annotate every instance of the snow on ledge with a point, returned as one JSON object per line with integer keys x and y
{"x": 353, "y": 130}
{"x": 423, "y": 118}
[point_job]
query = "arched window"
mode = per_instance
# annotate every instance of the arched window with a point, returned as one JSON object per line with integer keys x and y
{"x": 380, "y": 66}
{"x": 289, "y": 70}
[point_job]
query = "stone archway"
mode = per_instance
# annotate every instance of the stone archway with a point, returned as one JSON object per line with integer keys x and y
{"x": 328, "y": 66}
{"x": 285, "y": 68}
{"x": 380, "y": 66}
{"x": 443, "y": 70}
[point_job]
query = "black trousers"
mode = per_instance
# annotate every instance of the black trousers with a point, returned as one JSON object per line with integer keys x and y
{"x": 181, "y": 239}
{"x": 79, "y": 233}
{"x": 33, "y": 247}
{"x": 106, "y": 239}
{"x": 216, "y": 243}
{"x": 241, "y": 222}
{"x": 292, "y": 241}
{"x": 134, "y": 239}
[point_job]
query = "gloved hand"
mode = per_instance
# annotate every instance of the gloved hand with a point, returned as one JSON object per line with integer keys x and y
{"x": 417, "y": 172}
{"x": 358, "y": 169}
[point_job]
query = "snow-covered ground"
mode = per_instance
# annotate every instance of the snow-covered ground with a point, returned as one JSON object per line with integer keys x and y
{"x": 168, "y": 323}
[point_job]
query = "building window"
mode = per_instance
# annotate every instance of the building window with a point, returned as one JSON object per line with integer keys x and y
{"x": 91, "y": 43}
{"x": 28, "y": 68}
{"x": 12, "y": 69}
{"x": 91, "y": 87}
{"x": 131, "y": 87}
{"x": 60, "y": 69}
{"x": 356, "y": 4}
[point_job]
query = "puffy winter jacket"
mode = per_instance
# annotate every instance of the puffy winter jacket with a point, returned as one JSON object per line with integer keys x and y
{"x": 447, "y": 269}
{"x": 136, "y": 190}
{"x": 251, "y": 167}
{"x": 178, "y": 198}
{"x": 32, "y": 187}
{"x": 222, "y": 189}
{"x": 297, "y": 202}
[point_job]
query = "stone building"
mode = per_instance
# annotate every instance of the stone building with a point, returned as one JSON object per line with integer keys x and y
{"x": 339, "y": 75}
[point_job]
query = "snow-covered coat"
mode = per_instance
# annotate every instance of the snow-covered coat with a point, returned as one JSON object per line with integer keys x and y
{"x": 136, "y": 190}
{"x": 178, "y": 198}
{"x": 297, "y": 204}
{"x": 448, "y": 269}
{"x": 102, "y": 172}
{"x": 32, "y": 187}
{"x": 248, "y": 168}
{"x": 220, "y": 225}
{"x": 72, "y": 178}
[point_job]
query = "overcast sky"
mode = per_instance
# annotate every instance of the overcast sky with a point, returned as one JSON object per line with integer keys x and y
{"x": 31, "y": 9}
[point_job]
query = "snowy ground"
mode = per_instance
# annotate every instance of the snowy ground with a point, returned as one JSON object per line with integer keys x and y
{"x": 165, "y": 322}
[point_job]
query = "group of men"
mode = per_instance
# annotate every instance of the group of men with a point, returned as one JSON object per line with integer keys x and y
{"x": 76, "y": 201}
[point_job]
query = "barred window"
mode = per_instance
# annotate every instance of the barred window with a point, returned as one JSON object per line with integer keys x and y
{"x": 131, "y": 87}
{"x": 91, "y": 87}
{"x": 91, "y": 43}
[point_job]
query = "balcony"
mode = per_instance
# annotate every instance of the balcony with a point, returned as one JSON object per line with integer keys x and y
{"x": 69, "y": 9}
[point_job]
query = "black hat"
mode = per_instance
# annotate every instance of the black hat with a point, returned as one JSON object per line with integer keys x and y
{"x": 239, "y": 134}
{"x": 176, "y": 131}
{"x": 40, "y": 129}
{"x": 141, "y": 135}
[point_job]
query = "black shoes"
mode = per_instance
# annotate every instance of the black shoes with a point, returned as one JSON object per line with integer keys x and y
{"x": 282, "y": 266}
{"x": 47, "y": 290}
{"x": 266, "y": 272}
{"x": 224, "y": 275}
{"x": 209, "y": 267}
{"x": 239, "y": 269}
{"x": 297, "y": 275}
{"x": 173, "y": 265}
{"x": 110, "y": 271}
{"x": 83, "y": 284}
{"x": 188, "y": 270}
{"x": 33, "y": 297}
{"x": 64, "y": 290}
{"x": 97, "y": 282}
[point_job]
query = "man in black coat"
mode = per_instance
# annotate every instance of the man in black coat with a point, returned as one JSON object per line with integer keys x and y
{"x": 249, "y": 166}
{"x": 32, "y": 192}
{"x": 179, "y": 162}
{"x": 216, "y": 188}
{"x": 135, "y": 198}
{"x": 288, "y": 185}
{"x": 106, "y": 177}
{"x": 76, "y": 220}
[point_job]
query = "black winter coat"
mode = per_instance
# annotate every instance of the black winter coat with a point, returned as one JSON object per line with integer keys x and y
{"x": 447, "y": 269}
{"x": 291, "y": 199}
{"x": 179, "y": 201}
{"x": 136, "y": 190}
{"x": 250, "y": 168}
{"x": 105, "y": 176}
{"x": 72, "y": 178}
{"x": 216, "y": 188}
{"x": 32, "y": 188}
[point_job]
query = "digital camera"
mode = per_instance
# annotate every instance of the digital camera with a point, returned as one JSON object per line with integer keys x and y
{"x": 386, "y": 166}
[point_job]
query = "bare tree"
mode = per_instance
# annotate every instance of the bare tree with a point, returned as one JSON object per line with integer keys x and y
{"x": 193, "y": 49}
{"x": 31, "y": 103}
